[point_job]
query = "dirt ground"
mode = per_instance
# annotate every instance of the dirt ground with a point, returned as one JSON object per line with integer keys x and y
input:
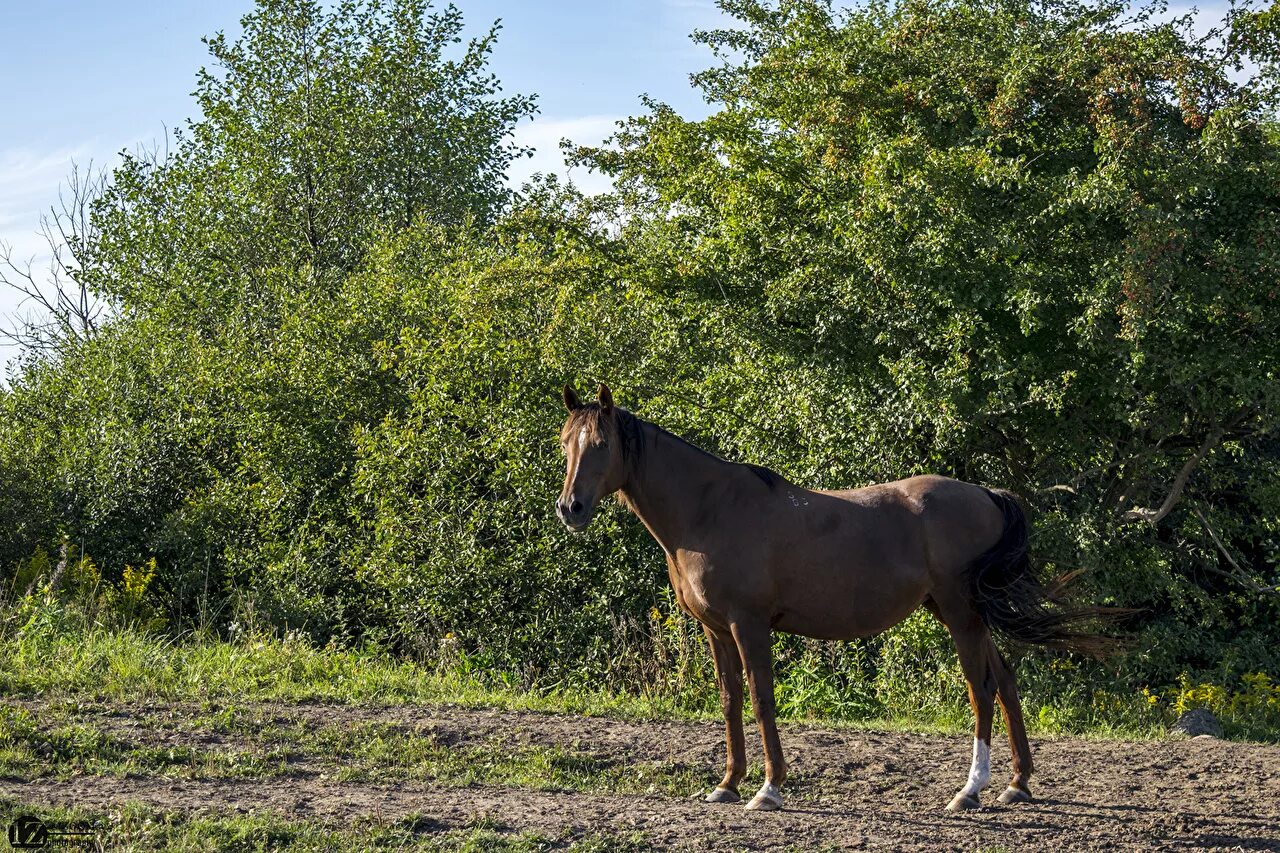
{"x": 855, "y": 789}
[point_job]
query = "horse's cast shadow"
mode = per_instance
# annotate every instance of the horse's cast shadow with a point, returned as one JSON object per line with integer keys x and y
{"x": 1042, "y": 809}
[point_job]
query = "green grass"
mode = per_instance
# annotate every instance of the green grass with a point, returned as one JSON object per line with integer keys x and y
{"x": 140, "y": 828}
{"x": 67, "y": 748}
{"x": 53, "y": 659}
{"x": 131, "y": 665}
{"x": 59, "y": 746}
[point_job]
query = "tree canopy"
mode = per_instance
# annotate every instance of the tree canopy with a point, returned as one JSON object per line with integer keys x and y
{"x": 1028, "y": 244}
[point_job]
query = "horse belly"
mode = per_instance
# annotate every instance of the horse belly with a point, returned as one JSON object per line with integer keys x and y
{"x": 844, "y": 603}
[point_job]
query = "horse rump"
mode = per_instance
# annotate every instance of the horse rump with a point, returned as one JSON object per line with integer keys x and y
{"x": 1017, "y": 606}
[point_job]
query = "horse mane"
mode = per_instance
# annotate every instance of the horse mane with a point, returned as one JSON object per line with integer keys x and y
{"x": 593, "y": 419}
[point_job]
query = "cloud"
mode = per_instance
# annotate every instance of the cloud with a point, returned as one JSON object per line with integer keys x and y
{"x": 543, "y": 134}
{"x": 29, "y": 182}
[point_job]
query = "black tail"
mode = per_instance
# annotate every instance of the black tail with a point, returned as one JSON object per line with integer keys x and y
{"x": 1014, "y": 603}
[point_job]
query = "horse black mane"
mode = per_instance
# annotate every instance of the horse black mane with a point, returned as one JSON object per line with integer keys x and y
{"x": 592, "y": 417}
{"x": 768, "y": 477}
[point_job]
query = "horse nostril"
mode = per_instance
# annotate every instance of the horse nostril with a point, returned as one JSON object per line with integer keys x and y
{"x": 576, "y": 507}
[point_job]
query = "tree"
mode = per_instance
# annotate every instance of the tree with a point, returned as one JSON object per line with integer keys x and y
{"x": 320, "y": 129}
{"x": 1027, "y": 243}
{"x": 208, "y": 421}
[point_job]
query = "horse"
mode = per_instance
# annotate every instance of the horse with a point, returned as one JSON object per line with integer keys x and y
{"x": 749, "y": 553}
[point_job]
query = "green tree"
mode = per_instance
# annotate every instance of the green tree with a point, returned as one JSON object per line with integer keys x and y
{"x": 319, "y": 129}
{"x": 209, "y": 420}
{"x": 1027, "y": 243}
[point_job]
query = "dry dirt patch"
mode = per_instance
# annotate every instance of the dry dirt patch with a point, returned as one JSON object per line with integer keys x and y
{"x": 851, "y": 788}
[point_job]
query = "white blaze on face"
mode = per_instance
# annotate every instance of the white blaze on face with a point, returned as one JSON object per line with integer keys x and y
{"x": 582, "y": 440}
{"x": 980, "y": 770}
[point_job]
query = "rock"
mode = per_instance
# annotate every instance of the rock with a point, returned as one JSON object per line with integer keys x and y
{"x": 1198, "y": 721}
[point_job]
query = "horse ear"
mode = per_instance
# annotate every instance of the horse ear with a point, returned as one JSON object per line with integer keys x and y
{"x": 606, "y": 398}
{"x": 571, "y": 401}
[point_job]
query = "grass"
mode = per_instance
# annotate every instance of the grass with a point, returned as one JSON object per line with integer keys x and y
{"x": 130, "y": 665}
{"x": 70, "y": 673}
{"x": 60, "y": 745}
{"x": 140, "y": 828}
{"x": 56, "y": 656}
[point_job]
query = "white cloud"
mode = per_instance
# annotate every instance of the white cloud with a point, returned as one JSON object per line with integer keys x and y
{"x": 544, "y": 134}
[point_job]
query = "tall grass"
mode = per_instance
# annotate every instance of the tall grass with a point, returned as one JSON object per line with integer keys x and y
{"x": 50, "y": 648}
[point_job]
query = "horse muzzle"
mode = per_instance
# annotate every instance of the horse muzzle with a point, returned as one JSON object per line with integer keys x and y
{"x": 575, "y": 514}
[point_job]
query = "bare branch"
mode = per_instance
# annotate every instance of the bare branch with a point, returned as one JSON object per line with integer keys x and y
{"x": 1153, "y": 516}
{"x": 1239, "y": 575}
{"x": 60, "y": 306}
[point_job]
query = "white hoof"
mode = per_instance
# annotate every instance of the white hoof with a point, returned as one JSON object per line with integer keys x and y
{"x": 767, "y": 799}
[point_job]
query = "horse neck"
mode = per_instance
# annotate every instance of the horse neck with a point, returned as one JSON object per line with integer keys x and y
{"x": 665, "y": 485}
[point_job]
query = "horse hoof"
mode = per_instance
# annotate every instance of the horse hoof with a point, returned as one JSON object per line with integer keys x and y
{"x": 724, "y": 795}
{"x": 767, "y": 799}
{"x": 1015, "y": 795}
{"x": 964, "y": 803}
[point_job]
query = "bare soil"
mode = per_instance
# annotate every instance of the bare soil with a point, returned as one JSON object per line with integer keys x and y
{"x": 851, "y": 788}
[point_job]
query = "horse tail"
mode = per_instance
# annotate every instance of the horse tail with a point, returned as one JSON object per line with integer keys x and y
{"x": 1016, "y": 605}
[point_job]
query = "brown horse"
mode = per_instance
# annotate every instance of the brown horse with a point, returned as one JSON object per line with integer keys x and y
{"x": 749, "y": 553}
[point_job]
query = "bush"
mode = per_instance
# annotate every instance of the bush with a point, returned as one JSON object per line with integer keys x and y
{"x": 1025, "y": 244}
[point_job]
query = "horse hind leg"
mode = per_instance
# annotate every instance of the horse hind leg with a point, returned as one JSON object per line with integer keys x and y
{"x": 971, "y": 643}
{"x": 1007, "y": 692}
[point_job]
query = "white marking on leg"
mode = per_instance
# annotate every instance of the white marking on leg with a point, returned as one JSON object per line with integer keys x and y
{"x": 768, "y": 797}
{"x": 980, "y": 770}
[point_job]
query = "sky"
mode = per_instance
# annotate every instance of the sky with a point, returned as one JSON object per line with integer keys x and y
{"x": 83, "y": 80}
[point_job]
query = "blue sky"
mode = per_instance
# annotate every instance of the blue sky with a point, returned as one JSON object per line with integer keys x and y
{"x": 84, "y": 80}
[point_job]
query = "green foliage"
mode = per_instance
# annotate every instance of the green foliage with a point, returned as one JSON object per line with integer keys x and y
{"x": 1251, "y": 711}
{"x": 319, "y": 130}
{"x": 1026, "y": 244}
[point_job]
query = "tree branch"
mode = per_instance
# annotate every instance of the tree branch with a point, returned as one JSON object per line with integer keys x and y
{"x": 1153, "y": 516}
{"x": 1240, "y": 576}
{"x": 64, "y": 308}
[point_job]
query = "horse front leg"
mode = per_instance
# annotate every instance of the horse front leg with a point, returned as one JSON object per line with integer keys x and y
{"x": 755, "y": 647}
{"x": 729, "y": 676}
